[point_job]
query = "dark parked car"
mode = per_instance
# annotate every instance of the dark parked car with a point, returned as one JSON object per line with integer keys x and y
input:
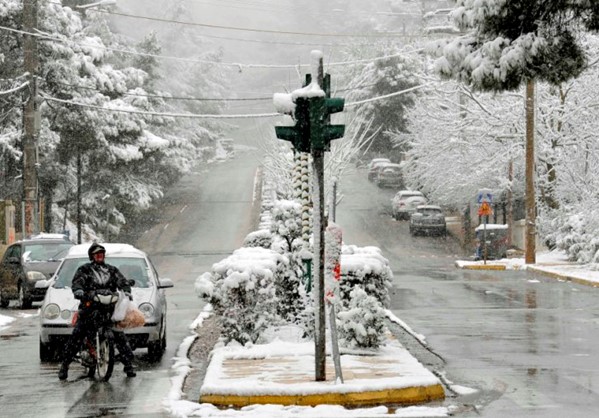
{"x": 428, "y": 219}
{"x": 27, "y": 262}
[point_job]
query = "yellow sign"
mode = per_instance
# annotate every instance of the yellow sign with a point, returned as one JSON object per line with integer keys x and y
{"x": 485, "y": 209}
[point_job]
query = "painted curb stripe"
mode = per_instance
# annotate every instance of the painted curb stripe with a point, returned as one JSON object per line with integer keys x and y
{"x": 409, "y": 395}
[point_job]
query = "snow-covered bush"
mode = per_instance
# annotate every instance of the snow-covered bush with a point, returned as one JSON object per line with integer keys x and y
{"x": 261, "y": 238}
{"x": 286, "y": 229}
{"x": 362, "y": 323}
{"x": 577, "y": 233}
{"x": 241, "y": 289}
{"x": 365, "y": 267}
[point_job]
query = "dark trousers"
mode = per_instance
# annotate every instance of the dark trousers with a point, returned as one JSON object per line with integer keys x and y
{"x": 87, "y": 324}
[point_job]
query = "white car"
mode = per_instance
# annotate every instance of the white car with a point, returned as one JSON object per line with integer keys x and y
{"x": 59, "y": 304}
{"x": 405, "y": 202}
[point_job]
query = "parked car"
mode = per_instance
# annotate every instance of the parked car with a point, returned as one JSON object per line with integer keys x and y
{"x": 389, "y": 175}
{"x": 59, "y": 304}
{"x": 374, "y": 165}
{"x": 28, "y": 261}
{"x": 404, "y": 203}
{"x": 428, "y": 219}
{"x": 495, "y": 237}
{"x": 377, "y": 160}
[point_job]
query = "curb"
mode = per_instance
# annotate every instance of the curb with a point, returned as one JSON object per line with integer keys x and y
{"x": 559, "y": 276}
{"x": 409, "y": 395}
{"x": 482, "y": 267}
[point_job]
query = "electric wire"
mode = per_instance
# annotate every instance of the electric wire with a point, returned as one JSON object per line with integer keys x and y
{"x": 217, "y": 116}
{"x": 239, "y": 66}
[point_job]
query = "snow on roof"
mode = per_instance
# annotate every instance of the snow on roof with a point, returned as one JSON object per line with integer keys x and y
{"x": 491, "y": 226}
{"x": 127, "y": 250}
{"x": 44, "y": 235}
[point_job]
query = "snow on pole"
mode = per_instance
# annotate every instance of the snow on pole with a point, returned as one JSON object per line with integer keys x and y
{"x": 333, "y": 242}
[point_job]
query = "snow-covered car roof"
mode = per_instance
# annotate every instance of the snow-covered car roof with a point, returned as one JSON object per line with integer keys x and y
{"x": 124, "y": 250}
{"x": 409, "y": 193}
{"x": 428, "y": 207}
{"x": 491, "y": 226}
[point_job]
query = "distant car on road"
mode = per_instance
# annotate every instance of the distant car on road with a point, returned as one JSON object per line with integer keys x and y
{"x": 28, "y": 261}
{"x": 374, "y": 165}
{"x": 428, "y": 219}
{"x": 404, "y": 203}
{"x": 59, "y": 305}
{"x": 389, "y": 175}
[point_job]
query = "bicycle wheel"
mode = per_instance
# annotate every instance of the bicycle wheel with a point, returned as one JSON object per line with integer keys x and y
{"x": 104, "y": 356}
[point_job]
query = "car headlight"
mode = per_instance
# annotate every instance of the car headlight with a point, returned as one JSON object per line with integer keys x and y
{"x": 51, "y": 311}
{"x": 147, "y": 309}
{"x": 66, "y": 314}
{"x": 35, "y": 275}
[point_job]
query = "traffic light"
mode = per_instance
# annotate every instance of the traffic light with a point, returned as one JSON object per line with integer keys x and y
{"x": 321, "y": 130}
{"x": 313, "y": 130}
{"x": 299, "y": 135}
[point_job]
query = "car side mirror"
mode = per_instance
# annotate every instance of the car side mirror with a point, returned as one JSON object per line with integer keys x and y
{"x": 165, "y": 283}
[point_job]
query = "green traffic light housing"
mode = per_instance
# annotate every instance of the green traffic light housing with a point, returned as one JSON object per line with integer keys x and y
{"x": 313, "y": 130}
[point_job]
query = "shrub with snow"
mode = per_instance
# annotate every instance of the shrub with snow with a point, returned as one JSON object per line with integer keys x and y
{"x": 365, "y": 267}
{"x": 362, "y": 322}
{"x": 241, "y": 289}
{"x": 261, "y": 238}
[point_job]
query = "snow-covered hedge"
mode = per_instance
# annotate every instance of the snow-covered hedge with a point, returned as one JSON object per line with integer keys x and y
{"x": 577, "y": 233}
{"x": 261, "y": 238}
{"x": 362, "y": 323}
{"x": 241, "y": 289}
{"x": 365, "y": 267}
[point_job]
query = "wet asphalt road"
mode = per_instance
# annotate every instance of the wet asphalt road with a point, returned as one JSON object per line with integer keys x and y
{"x": 527, "y": 344}
{"x": 202, "y": 220}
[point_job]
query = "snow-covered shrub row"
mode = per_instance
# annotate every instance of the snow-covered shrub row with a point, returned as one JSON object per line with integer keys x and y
{"x": 362, "y": 323}
{"x": 242, "y": 290}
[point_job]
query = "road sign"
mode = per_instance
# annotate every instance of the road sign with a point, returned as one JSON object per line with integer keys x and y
{"x": 484, "y": 195}
{"x": 485, "y": 209}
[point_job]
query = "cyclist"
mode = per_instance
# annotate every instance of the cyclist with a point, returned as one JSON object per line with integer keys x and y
{"x": 89, "y": 278}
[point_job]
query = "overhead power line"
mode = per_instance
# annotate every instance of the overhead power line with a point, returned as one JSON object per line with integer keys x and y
{"x": 218, "y": 116}
{"x": 277, "y": 32}
{"x": 15, "y": 89}
{"x": 240, "y": 66}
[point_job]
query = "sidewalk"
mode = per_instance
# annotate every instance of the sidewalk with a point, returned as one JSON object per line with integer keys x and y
{"x": 550, "y": 264}
{"x": 283, "y": 373}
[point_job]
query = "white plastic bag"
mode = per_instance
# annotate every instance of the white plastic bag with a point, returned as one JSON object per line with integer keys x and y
{"x": 121, "y": 307}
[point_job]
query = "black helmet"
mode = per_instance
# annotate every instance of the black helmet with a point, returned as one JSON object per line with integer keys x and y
{"x": 95, "y": 248}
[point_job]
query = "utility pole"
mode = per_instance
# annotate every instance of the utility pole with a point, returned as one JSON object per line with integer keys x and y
{"x": 319, "y": 228}
{"x": 530, "y": 201}
{"x": 30, "y": 119}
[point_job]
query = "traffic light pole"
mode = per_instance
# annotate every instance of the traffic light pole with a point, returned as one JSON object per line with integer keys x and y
{"x": 319, "y": 228}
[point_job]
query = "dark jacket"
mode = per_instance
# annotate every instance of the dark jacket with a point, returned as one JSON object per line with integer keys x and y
{"x": 93, "y": 276}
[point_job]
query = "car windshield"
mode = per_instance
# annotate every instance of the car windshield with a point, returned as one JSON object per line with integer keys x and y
{"x": 132, "y": 268}
{"x": 408, "y": 195}
{"x": 45, "y": 251}
{"x": 430, "y": 211}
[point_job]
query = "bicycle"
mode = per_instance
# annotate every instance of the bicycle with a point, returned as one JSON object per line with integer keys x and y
{"x": 97, "y": 351}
